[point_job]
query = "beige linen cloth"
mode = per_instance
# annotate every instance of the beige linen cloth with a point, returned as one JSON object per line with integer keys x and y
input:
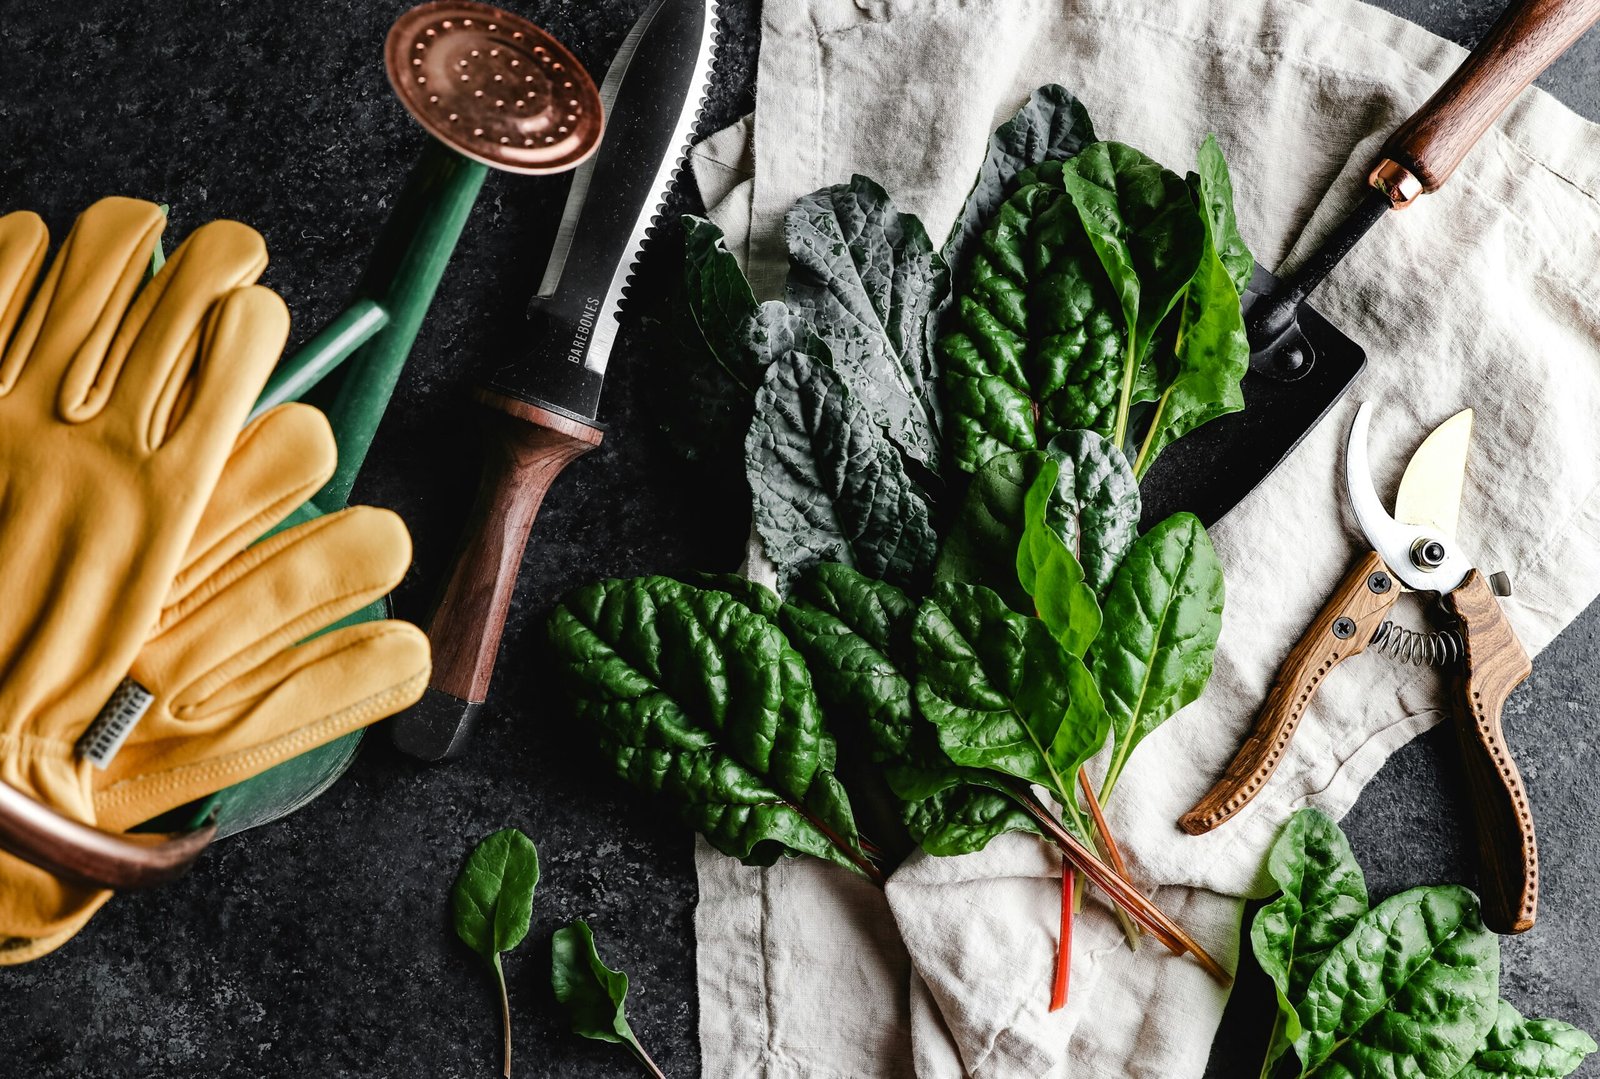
{"x": 1482, "y": 295}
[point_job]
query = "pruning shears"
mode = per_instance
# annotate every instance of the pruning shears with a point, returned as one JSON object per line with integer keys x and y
{"x": 1414, "y": 550}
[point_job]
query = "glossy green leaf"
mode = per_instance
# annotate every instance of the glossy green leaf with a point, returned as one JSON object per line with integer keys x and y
{"x": 1052, "y": 126}
{"x": 1001, "y": 692}
{"x": 1037, "y": 337}
{"x": 855, "y": 634}
{"x": 1096, "y": 508}
{"x": 753, "y": 594}
{"x": 1519, "y": 1048}
{"x": 1143, "y": 224}
{"x": 593, "y": 995}
{"x": 719, "y": 299}
{"x": 980, "y": 546}
{"x": 868, "y": 279}
{"x": 1323, "y": 896}
{"x": 492, "y": 900}
{"x": 827, "y": 486}
{"x": 694, "y": 696}
{"x": 1211, "y": 351}
{"x": 1412, "y": 990}
{"x": 1049, "y": 572}
{"x": 1162, "y": 613}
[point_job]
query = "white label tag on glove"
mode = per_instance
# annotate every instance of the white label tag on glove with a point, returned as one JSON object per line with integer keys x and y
{"x": 116, "y": 721}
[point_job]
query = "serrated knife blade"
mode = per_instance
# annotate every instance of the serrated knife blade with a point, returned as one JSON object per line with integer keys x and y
{"x": 652, "y": 95}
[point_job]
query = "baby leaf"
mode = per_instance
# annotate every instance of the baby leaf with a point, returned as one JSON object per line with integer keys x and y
{"x": 1519, "y": 1048}
{"x": 1412, "y": 990}
{"x": 867, "y": 277}
{"x": 1098, "y": 500}
{"x": 1050, "y": 573}
{"x": 695, "y": 696}
{"x": 979, "y": 546}
{"x": 493, "y": 903}
{"x": 827, "y": 486}
{"x": 1002, "y": 693}
{"x": 1214, "y": 188}
{"x": 1323, "y": 896}
{"x": 1144, "y": 226}
{"x": 719, "y": 298}
{"x": 1163, "y": 613}
{"x": 855, "y": 633}
{"x": 1052, "y": 126}
{"x": 592, "y": 993}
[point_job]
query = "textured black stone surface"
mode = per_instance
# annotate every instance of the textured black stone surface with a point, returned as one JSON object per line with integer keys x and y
{"x": 320, "y": 946}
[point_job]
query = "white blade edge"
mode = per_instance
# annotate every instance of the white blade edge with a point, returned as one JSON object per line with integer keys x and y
{"x": 1430, "y": 489}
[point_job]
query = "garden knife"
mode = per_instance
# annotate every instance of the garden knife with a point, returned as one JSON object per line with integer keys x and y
{"x": 1415, "y": 549}
{"x": 543, "y": 403}
{"x": 1300, "y": 364}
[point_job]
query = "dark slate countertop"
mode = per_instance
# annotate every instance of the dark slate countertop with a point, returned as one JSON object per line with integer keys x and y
{"x": 320, "y": 946}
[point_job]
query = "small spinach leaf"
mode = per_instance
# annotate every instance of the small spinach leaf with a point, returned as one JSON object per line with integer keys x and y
{"x": 1099, "y": 504}
{"x": 867, "y": 277}
{"x": 593, "y": 994}
{"x": 1214, "y": 188}
{"x": 979, "y": 546}
{"x": 695, "y": 696}
{"x": 1519, "y": 1048}
{"x": 1052, "y": 126}
{"x": 1412, "y": 990}
{"x": 827, "y": 486}
{"x": 1050, "y": 573}
{"x": 1163, "y": 613}
{"x": 719, "y": 299}
{"x": 492, "y": 903}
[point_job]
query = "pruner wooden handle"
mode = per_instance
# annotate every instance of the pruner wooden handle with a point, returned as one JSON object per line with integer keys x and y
{"x": 1495, "y": 665}
{"x": 1342, "y": 629}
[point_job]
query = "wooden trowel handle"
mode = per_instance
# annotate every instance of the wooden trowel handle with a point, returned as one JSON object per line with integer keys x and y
{"x": 1527, "y": 39}
{"x": 1495, "y": 665}
{"x": 525, "y": 450}
{"x": 1342, "y": 629}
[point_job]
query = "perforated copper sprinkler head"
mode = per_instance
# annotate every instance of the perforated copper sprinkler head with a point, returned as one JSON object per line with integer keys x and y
{"x": 494, "y": 87}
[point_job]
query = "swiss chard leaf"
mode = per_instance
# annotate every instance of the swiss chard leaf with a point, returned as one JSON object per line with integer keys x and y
{"x": 1211, "y": 351}
{"x": 1519, "y": 1048}
{"x": 1412, "y": 990}
{"x": 1002, "y": 693}
{"x": 1323, "y": 896}
{"x": 492, "y": 905}
{"x": 855, "y": 633}
{"x": 867, "y": 277}
{"x": 1037, "y": 339}
{"x": 1052, "y": 126}
{"x": 828, "y": 487}
{"x": 592, "y": 994}
{"x": 695, "y": 696}
{"x": 1049, "y": 572}
{"x": 1143, "y": 224}
{"x": 1098, "y": 499}
{"x": 1163, "y": 613}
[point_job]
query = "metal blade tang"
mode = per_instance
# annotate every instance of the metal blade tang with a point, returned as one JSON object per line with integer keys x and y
{"x": 652, "y": 92}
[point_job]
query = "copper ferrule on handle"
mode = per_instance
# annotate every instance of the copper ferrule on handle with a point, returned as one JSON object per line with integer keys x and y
{"x": 1398, "y": 183}
{"x": 80, "y": 854}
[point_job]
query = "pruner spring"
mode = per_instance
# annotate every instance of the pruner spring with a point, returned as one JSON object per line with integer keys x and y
{"x": 1423, "y": 648}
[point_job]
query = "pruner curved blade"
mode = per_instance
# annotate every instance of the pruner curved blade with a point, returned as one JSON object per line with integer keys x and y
{"x": 1420, "y": 548}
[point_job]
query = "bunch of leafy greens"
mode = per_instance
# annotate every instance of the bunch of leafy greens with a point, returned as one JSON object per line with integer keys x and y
{"x": 1092, "y": 283}
{"x": 492, "y": 905}
{"x": 1407, "y": 987}
{"x": 591, "y": 993}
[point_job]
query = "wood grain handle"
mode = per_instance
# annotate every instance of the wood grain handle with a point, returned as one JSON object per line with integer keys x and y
{"x": 1527, "y": 39}
{"x": 526, "y": 449}
{"x": 1342, "y": 629}
{"x": 1495, "y": 665}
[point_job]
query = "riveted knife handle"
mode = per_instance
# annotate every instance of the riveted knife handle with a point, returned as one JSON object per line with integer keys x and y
{"x": 526, "y": 449}
{"x": 1528, "y": 38}
{"x": 1495, "y": 665}
{"x": 1342, "y": 629}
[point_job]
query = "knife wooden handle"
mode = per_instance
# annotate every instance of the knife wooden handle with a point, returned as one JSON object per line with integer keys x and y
{"x": 526, "y": 449}
{"x": 1495, "y": 665}
{"x": 1342, "y": 629}
{"x": 1528, "y": 38}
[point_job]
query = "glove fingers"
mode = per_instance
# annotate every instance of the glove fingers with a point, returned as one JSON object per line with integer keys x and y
{"x": 23, "y": 239}
{"x": 279, "y": 461}
{"x": 240, "y": 344}
{"x": 72, "y": 320}
{"x": 282, "y": 590}
{"x": 308, "y": 696}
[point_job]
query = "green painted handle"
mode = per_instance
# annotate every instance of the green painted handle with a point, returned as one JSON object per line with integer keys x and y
{"x": 293, "y": 378}
{"x": 401, "y": 278}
